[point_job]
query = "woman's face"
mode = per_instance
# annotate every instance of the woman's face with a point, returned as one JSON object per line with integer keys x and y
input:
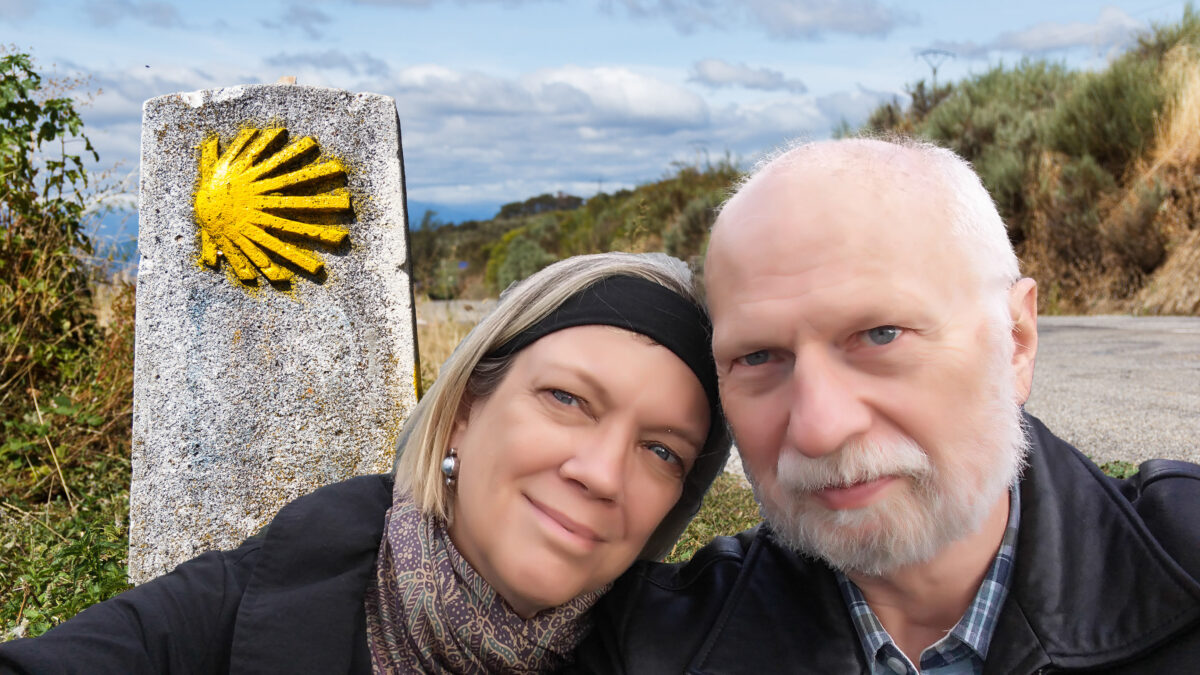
{"x": 567, "y": 468}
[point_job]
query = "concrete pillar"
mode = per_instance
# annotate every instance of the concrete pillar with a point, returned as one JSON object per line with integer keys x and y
{"x": 275, "y": 329}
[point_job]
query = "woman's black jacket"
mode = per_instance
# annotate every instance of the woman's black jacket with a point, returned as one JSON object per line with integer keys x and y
{"x": 289, "y": 600}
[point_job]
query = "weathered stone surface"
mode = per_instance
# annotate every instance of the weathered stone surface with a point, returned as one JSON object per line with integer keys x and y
{"x": 247, "y": 396}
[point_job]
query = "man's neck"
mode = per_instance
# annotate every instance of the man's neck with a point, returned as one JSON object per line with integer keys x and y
{"x": 920, "y": 604}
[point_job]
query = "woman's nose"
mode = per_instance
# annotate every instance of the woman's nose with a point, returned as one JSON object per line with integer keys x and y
{"x": 598, "y": 463}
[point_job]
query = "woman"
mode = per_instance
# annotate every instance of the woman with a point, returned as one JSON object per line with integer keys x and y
{"x": 572, "y": 432}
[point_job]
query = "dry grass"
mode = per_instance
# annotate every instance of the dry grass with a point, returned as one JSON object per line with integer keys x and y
{"x": 1177, "y": 141}
{"x": 437, "y": 336}
{"x": 1140, "y": 254}
{"x": 1174, "y": 163}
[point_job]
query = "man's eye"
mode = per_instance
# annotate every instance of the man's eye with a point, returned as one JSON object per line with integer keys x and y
{"x": 756, "y": 358}
{"x": 563, "y": 397}
{"x": 881, "y": 335}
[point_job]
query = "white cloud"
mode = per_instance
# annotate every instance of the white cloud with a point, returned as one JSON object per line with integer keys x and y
{"x": 717, "y": 73}
{"x": 1112, "y": 29}
{"x": 810, "y": 19}
{"x": 472, "y": 137}
{"x": 308, "y": 20}
{"x": 779, "y": 19}
{"x": 854, "y": 107}
{"x": 430, "y": 3}
{"x": 620, "y": 96}
{"x": 331, "y": 59}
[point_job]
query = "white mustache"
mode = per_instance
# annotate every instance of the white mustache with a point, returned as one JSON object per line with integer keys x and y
{"x": 857, "y": 461}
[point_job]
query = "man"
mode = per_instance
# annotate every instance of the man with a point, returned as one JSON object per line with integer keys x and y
{"x": 875, "y": 342}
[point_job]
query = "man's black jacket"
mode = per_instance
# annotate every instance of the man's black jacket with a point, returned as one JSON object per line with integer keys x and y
{"x": 1105, "y": 581}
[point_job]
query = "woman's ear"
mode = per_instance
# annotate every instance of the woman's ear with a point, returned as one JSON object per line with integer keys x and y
{"x": 462, "y": 420}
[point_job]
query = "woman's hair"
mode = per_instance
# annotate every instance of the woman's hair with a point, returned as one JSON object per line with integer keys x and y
{"x": 468, "y": 376}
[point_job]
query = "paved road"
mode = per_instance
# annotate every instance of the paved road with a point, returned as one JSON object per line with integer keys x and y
{"x": 1117, "y": 387}
{"x": 1120, "y": 387}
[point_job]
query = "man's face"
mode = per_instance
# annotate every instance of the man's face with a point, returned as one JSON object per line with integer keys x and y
{"x": 870, "y": 386}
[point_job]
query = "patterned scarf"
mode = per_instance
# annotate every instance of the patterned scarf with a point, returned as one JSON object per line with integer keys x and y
{"x": 428, "y": 611}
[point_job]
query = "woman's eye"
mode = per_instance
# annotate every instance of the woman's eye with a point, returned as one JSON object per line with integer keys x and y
{"x": 881, "y": 335}
{"x": 565, "y": 398}
{"x": 756, "y": 358}
{"x": 664, "y": 453}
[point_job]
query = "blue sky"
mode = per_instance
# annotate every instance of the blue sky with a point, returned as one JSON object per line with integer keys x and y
{"x": 503, "y": 100}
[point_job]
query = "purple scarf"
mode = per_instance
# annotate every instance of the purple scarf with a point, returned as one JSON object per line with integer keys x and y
{"x": 428, "y": 611}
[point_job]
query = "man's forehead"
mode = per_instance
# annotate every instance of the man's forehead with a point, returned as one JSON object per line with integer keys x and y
{"x": 866, "y": 225}
{"x": 811, "y": 205}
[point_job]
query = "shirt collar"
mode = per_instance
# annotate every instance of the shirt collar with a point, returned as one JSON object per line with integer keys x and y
{"x": 972, "y": 635}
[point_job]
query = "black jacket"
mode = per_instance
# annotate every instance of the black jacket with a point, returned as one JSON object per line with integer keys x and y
{"x": 1105, "y": 580}
{"x": 287, "y": 601}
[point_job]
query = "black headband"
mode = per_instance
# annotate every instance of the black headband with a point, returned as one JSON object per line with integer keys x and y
{"x": 637, "y": 305}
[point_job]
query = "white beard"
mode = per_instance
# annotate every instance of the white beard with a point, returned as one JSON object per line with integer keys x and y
{"x": 941, "y": 504}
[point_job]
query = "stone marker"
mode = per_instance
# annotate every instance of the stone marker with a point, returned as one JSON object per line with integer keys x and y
{"x": 275, "y": 346}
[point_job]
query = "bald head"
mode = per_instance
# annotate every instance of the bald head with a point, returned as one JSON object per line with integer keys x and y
{"x": 872, "y": 178}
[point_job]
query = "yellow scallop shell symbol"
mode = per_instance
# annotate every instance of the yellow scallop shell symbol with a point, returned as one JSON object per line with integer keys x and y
{"x": 240, "y": 188}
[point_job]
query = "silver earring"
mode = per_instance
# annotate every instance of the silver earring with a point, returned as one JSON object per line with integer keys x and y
{"x": 450, "y": 467}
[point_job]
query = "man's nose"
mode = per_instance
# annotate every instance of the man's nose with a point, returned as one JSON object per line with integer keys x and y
{"x": 826, "y": 409}
{"x": 598, "y": 463}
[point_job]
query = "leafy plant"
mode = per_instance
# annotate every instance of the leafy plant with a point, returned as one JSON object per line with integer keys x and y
{"x": 65, "y": 383}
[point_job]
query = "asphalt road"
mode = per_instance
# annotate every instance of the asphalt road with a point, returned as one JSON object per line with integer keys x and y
{"x": 1120, "y": 387}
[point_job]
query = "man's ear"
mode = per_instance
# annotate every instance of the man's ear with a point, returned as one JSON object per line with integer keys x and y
{"x": 1022, "y": 308}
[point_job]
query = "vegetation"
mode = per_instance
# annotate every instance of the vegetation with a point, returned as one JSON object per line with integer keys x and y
{"x": 1074, "y": 163}
{"x": 673, "y": 214}
{"x": 728, "y": 508}
{"x": 65, "y": 383}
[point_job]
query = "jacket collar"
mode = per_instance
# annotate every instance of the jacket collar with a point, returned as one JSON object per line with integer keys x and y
{"x": 302, "y": 610}
{"x": 1091, "y": 585}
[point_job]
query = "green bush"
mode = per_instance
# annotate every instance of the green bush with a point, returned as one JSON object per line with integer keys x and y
{"x": 994, "y": 121}
{"x": 65, "y": 384}
{"x": 686, "y": 235}
{"x": 523, "y": 257}
{"x": 1110, "y": 115}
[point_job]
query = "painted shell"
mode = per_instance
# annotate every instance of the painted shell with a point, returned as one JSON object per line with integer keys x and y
{"x": 238, "y": 205}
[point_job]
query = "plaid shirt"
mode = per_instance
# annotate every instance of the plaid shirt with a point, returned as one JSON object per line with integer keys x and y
{"x": 964, "y": 648}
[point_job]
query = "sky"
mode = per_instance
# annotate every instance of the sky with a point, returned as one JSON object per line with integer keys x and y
{"x": 501, "y": 100}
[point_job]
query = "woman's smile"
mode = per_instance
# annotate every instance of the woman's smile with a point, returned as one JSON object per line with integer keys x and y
{"x": 564, "y": 527}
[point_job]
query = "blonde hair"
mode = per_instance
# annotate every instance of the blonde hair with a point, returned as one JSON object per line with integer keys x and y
{"x": 467, "y": 375}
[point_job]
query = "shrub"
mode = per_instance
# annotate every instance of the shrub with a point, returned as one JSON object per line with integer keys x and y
{"x": 993, "y": 120}
{"x": 685, "y": 238}
{"x": 1110, "y": 115}
{"x": 65, "y": 384}
{"x": 523, "y": 258}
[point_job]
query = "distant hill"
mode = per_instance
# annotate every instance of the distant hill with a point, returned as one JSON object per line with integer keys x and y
{"x": 479, "y": 258}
